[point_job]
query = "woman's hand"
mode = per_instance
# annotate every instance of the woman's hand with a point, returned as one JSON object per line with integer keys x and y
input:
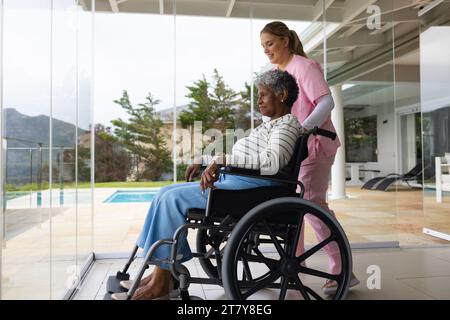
{"x": 191, "y": 172}
{"x": 209, "y": 176}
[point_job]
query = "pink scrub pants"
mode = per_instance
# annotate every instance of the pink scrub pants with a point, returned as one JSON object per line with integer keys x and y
{"x": 315, "y": 175}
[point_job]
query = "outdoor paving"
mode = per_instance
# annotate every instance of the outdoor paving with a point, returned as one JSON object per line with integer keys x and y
{"x": 367, "y": 217}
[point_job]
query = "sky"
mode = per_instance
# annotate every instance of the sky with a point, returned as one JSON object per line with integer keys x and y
{"x": 140, "y": 53}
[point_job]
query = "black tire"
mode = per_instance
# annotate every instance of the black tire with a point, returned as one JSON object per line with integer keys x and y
{"x": 206, "y": 263}
{"x": 272, "y": 219}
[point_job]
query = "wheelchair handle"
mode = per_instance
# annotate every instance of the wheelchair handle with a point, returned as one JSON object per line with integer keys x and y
{"x": 322, "y": 132}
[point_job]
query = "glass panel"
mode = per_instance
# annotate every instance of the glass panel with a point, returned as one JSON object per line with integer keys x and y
{"x": 435, "y": 99}
{"x": 223, "y": 77}
{"x": 213, "y": 87}
{"x": 409, "y": 136}
{"x": 84, "y": 188}
{"x": 360, "y": 69}
{"x": 64, "y": 127}
{"x": 27, "y": 104}
{"x": 134, "y": 99}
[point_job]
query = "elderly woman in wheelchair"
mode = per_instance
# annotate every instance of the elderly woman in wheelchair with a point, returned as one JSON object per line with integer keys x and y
{"x": 247, "y": 215}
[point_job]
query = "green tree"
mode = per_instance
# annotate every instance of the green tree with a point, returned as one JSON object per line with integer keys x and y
{"x": 142, "y": 136}
{"x": 243, "y": 111}
{"x": 112, "y": 161}
{"x": 212, "y": 103}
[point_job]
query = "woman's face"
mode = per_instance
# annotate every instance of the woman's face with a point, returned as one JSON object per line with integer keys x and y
{"x": 268, "y": 102}
{"x": 275, "y": 48}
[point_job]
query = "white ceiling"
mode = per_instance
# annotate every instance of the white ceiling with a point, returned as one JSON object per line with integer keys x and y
{"x": 354, "y": 52}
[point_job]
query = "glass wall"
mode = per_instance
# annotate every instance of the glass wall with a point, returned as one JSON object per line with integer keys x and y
{"x": 435, "y": 99}
{"x": 26, "y": 259}
{"x": 359, "y": 61}
{"x": 134, "y": 119}
{"x": 46, "y": 109}
{"x": 409, "y": 136}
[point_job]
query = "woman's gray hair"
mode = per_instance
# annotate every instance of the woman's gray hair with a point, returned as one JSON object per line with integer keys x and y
{"x": 278, "y": 81}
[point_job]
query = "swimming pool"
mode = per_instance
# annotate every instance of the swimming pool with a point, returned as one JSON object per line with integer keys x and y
{"x": 131, "y": 196}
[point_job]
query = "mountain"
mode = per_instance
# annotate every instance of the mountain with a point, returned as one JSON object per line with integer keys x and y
{"x": 35, "y": 129}
{"x": 23, "y": 134}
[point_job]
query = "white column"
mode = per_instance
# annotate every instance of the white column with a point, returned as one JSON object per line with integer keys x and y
{"x": 338, "y": 172}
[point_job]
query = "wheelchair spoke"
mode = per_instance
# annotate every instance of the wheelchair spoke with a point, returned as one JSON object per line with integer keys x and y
{"x": 313, "y": 293}
{"x": 261, "y": 285}
{"x": 319, "y": 274}
{"x": 314, "y": 249}
{"x": 298, "y": 231}
{"x": 209, "y": 253}
{"x": 307, "y": 289}
{"x": 246, "y": 270}
{"x": 301, "y": 288}
{"x": 275, "y": 240}
{"x": 284, "y": 286}
{"x": 270, "y": 263}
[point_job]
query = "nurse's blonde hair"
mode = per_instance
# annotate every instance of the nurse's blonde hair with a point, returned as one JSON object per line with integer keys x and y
{"x": 280, "y": 30}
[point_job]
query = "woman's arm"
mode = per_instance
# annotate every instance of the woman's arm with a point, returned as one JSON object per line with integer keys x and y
{"x": 321, "y": 112}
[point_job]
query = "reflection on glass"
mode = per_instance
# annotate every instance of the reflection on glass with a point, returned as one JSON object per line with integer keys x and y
{"x": 64, "y": 127}
{"x": 360, "y": 138}
{"x": 133, "y": 112}
{"x": 360, "y": 68}
{"x": 83, "y": 160}
{"x": 26, "y": 102}
{"x": 435, "y": 81}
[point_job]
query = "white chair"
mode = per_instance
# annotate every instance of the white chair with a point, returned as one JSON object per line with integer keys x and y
{"x": 442, "y": 175}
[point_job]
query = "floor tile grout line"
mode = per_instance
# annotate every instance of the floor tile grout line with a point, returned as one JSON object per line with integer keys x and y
{"x": 423, "y": 277}
{"x": 418, "y": 290}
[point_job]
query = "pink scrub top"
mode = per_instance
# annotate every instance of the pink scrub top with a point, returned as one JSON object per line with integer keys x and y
{"x": 312, "y": 85}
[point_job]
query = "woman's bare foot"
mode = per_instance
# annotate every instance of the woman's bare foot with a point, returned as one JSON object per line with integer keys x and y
{"x": 146, "y": 280}
{"x": 128, "y": 283}
{"x": 157, "y": 287}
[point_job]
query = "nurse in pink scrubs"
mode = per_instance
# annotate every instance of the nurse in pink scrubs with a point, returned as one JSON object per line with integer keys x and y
{"x": 312, "y": 108}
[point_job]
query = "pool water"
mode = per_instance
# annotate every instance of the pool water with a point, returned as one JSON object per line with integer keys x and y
{"x": 131, "y": 196}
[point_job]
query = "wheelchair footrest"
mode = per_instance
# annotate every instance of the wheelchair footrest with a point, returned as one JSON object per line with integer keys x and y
{"x": 113, "y": 283}
{"x": 174, "y": 294}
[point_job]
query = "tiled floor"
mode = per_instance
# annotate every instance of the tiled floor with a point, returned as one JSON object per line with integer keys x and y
{"x": 411, "y": 274}
{"x": 367, "y": 217}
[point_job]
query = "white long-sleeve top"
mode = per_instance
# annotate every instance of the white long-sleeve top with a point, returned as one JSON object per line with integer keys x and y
{"x": 321, "y": 112}
{"x": 268, "y": 148}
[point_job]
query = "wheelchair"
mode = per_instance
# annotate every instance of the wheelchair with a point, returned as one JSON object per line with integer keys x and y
{"x": 247, "y": 239}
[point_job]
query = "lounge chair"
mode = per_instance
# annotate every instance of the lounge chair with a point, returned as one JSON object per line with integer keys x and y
{"x": 382, "y": 183}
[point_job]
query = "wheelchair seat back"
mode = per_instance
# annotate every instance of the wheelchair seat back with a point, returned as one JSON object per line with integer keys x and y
{"x": 292, "y": 170}
{"x": 245, "y": 200}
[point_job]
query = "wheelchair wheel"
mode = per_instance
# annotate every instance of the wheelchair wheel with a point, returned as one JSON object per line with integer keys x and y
{"x": 260, "y": 258}
{"x": 205, "y": 261}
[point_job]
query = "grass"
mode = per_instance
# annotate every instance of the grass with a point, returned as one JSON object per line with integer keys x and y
{"x": 87, "y": 185}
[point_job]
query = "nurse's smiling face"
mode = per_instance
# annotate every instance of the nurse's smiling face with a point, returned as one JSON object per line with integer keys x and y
{"x": 275, "y": 48}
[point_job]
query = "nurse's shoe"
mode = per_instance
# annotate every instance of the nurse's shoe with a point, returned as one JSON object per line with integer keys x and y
{"x": 330, "y": 287}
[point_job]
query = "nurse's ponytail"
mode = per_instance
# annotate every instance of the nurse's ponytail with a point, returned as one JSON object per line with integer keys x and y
{"x": 279, "y": 29}
{"x": 295, "y": 44}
